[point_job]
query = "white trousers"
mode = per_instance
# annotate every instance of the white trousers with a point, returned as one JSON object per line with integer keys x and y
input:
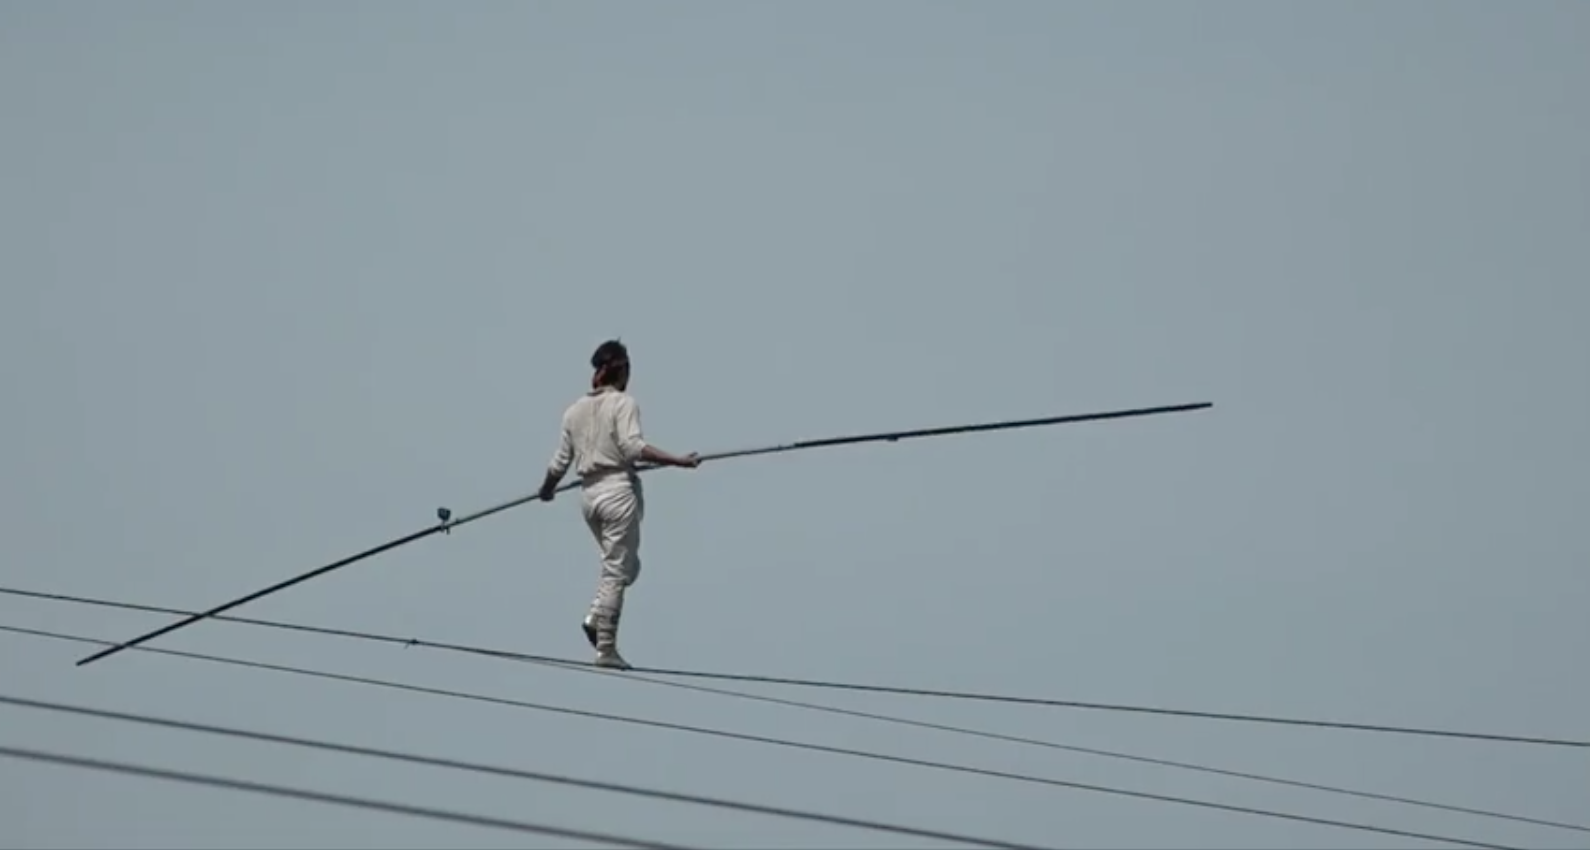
{"x": 613, "y": 509}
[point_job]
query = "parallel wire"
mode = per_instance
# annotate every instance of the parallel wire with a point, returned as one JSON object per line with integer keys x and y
{"x": 579, "y": 667}
{"x": 779, "y": 742}
{"x": 333, "y": 799}
{"x": 1119, "y": 708}
{"x": 513, "y": 773}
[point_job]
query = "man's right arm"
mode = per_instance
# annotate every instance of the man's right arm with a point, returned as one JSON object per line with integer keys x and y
{"x": 633, "y": 443}
{"x": 658, "y": 456}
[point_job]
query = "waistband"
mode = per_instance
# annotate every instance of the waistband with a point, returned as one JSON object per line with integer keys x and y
{"x": 602, "y": 479}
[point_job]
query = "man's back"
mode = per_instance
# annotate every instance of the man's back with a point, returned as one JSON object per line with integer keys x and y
{"x": 601, "y": 435}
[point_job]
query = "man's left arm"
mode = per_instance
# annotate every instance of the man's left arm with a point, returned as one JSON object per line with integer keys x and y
{"x": 559, "y": 465}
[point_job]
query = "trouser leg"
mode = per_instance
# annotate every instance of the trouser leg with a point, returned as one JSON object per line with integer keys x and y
{"x": 615, "y": 519}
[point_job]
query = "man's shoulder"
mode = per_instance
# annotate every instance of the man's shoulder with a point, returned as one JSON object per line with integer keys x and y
{"x": 609, "y": 395}
{"x": 614, "y": 402}
{"x": 609, "y": 398}
{"x": 579, "y": 404}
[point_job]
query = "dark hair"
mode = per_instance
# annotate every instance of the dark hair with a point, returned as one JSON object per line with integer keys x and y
{"x": 608, "y": 355}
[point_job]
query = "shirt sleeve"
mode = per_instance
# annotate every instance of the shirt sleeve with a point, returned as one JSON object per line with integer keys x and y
{"x": 631, "y": 442}
{"x": 564, "y": 456}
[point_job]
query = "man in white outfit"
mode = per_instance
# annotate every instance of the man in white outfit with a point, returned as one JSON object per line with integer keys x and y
{"x": 602, "y": 440}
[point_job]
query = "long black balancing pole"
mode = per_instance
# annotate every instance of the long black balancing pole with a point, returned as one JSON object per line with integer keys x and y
{"x": 446, "y": 523}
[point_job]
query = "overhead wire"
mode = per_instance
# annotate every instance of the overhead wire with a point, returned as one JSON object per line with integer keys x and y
{"x": 1046, "y": 702}
{"x": 779, "y": 742}
{"x": 250, "y": 786}
{"x": 629, "y": 676}
{"x": 447, "y": 524}
{"x": 513, "y": 773}
{"x": 1120, "y": 708}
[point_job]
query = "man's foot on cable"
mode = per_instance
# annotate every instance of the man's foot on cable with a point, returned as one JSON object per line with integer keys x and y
{"x": 610, "y": 659}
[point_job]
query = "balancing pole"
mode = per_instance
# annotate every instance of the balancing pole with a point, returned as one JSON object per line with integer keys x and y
{"x": 445, "y": 522}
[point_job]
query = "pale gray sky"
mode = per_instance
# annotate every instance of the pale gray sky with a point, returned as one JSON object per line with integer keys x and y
{"x": 278, "y": 279}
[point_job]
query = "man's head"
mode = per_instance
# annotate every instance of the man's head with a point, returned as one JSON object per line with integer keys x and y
{"x": 611, "y": 364}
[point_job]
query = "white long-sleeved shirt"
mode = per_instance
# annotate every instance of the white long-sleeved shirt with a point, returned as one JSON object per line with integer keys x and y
{"x": 601, "y": 436}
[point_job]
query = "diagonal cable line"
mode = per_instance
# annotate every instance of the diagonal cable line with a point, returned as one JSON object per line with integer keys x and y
{"x": 147, "y": 772}
{"x": 1096, "y": 706}
{"x": 1072, "y": 748}
{"x": 779, "y": 742}
{"x": 578, "y": 667}
{"x": 1120, "y": 708}
{"x": 514, "y": 773}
